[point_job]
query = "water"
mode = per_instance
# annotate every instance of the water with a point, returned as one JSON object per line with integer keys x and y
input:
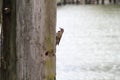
{"x": 90, "y": 46}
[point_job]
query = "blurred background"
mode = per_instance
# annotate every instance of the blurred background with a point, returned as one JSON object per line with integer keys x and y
{"x": 90, "y": 46}
{"x": 60, "y": 2}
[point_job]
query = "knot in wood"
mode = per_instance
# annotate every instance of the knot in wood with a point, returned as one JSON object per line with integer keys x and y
{"x": 7, "y": 10}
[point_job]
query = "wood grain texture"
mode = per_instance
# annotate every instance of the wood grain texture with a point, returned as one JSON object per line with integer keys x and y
{"x": 36, "y": 20}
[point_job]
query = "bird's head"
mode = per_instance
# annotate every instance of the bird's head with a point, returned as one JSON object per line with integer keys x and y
{"x": 61, "y": 29}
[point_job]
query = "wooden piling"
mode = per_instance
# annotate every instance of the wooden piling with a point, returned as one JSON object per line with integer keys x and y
{"x": 29, "y": 43}
{"x": 8, "y": 65}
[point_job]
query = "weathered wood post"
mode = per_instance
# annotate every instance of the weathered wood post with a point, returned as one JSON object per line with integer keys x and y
{"x": 64, "y": 2}
{"x": 114, "y": 1}
{"x": 110, "y": 1}
{"x": 0, "y": 10}
{"x": 77, "y": 2}
{"x": 97, "y": 1}
{"x": 8, "y": 54}
{"x": 36, "y": 39}
{"x": 85, "y": 1}
{"x": 29, "y": 40}
{"x": 102, "y": 1}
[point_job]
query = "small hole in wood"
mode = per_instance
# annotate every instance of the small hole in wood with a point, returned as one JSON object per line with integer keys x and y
{"x": 46, "y": 54}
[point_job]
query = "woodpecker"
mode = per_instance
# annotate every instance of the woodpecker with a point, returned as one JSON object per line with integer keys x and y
{"x": 59, "y": 35}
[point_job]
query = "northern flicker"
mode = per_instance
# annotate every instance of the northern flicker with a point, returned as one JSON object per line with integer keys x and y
{"x": 59, "y": 35}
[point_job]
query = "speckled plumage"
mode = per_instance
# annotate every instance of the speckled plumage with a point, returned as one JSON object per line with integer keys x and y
{"x": 59, "y": 35}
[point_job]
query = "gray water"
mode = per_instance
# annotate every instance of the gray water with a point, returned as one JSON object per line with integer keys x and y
{"x": 90, "y": 46}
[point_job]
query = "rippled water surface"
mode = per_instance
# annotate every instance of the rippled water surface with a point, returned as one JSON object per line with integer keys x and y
{"x": 90, "y": 46}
